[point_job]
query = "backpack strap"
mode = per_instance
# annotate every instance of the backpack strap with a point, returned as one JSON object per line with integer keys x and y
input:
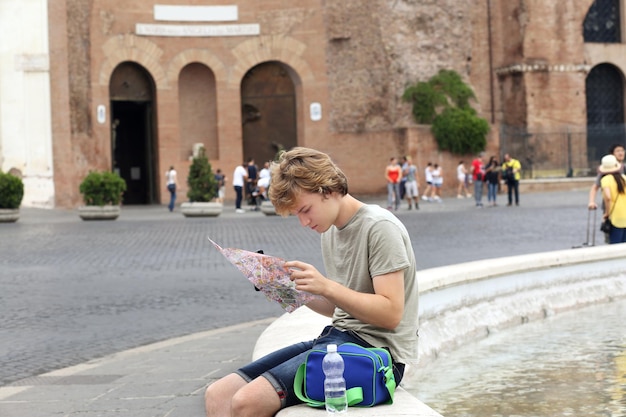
{"x": 390, "y": 382}
{"x": 297, "y": 387}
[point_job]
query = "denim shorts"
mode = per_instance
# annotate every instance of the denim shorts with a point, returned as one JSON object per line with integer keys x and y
{"x": 280, "y": 367}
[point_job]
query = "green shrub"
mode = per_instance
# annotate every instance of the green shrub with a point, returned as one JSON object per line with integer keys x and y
{"x": 101, "y": 188}
{"x": 425, "y": 101}
{"x": 460, "y": 131}
{"x": 201, "y": 180}
{"x": 451, "y": 85}
{"x": 444, "y": 103}
{"x": 11, "y": 191}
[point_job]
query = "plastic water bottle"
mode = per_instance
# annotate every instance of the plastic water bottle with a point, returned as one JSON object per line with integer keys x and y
{"x": 334, "y": 383}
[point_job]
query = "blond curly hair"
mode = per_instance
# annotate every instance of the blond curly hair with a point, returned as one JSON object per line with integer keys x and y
{"x": 303, "y": 170}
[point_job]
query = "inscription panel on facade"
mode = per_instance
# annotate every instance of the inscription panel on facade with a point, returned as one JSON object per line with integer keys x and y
{"x": 148, "y": 29}
{"x": 32, "y": 62}
{"x": 196, "y": 13}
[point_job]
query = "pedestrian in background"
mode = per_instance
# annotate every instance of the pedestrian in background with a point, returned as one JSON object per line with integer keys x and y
{"x": 428, "y": 177}
{"x": 221, "y": 185}
{"x": 410, "y": 185}
{"x": 437, "y": 183}
{"x": 404, "y": 163}
{"x": 251, "y": 179}
{"x": 478, "y": 173}
{"x": 492, "y": 178}
{"x": 393, "y": 174}
{"x": 170, "y": 180}
{"x": 264, "y": 181}
{"x": 613, "y": 185}
{"x": 619, "y": 152}
{"x": 461, "y": 176}
{"x": 240, "y": 177}
{"x": 511, "y": 169}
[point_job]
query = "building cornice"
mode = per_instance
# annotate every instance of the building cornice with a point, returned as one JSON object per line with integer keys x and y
{"x": 541, "y": 67}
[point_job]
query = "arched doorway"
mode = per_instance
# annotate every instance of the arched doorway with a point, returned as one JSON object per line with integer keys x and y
{"x": 268, "y": 100}
{"x": 605, "y": 111}
{"x": 133, "y": 132}
{"x": 602, "y": 22}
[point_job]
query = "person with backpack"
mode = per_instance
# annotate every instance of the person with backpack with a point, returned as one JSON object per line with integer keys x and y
{"x": 511, "y": 169}
{"x": 368, "y": 287}
{"x": 613, "y": 185}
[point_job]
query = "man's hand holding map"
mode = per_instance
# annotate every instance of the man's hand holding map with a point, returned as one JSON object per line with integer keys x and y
{"x": 267, "y": 273}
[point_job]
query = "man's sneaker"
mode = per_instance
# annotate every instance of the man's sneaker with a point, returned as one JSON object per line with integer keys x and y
{"x": 240, "y": 211}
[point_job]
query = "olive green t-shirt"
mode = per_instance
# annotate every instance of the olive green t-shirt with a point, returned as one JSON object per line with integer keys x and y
{"x": 373, "y": 243}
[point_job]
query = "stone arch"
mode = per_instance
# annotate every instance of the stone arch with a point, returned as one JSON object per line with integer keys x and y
{"x": 604, "y": 88}
{"x": 270, "y": 48}
{"x": 132, "y": 95}
{"x": 283, "y": 50}
{"x": 201, "y": 56}
{"x": 136, "y": 49}
{"x": 602, "y": 22}
{"x": 197, "y": 109}
{"x": 269, "y": 110}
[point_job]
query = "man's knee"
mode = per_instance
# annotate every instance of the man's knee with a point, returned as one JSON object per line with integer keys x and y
{"x": 210, "y": 393}
{"x": 215, "y": 401}
{"x": 256, "y": 399}
{"x": 218, "y": 395}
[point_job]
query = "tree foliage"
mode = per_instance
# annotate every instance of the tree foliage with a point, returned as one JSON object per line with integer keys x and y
{"x": 444, "y": 103}
{"x": 201, "y": 180}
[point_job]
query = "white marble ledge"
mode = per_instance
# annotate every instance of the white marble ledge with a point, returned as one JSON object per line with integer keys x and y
{"x": 404, "y": 405}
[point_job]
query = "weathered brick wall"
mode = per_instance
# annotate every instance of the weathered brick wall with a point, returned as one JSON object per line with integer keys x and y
{"x": 354, "y": 60}
{"x": 375, "y": 52}
{"x": 542, "y": 70}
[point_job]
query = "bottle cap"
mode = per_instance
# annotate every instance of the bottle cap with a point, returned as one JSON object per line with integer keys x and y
{"x": 331, "y": 348}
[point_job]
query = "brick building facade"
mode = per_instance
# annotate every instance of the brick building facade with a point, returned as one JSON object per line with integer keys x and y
{"x": 134, "y": 86}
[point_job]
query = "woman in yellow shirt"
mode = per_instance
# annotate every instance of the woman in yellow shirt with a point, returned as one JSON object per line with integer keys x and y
{"x": 613, "y": 185}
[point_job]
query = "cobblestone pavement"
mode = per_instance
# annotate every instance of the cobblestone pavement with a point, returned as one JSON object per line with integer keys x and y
{"x": 75, "y": 290}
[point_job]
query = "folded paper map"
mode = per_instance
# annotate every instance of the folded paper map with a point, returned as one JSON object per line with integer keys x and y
{"x": 268, "y": 275}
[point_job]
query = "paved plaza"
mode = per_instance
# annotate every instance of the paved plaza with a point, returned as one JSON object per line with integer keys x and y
{"x": 136, "y": 316}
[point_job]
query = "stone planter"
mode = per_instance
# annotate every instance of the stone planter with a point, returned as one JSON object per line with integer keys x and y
{"x": 99, "y": 212}
{"x": 210, "y": 209}
{"x": 267, "y": 208}
{"x": 9, "y": 215}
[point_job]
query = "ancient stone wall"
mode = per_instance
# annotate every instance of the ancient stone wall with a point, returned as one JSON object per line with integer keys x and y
{"x": 525, "y": 60}
{"x": 79, "y": 64}
{"x": 375, "y": 52}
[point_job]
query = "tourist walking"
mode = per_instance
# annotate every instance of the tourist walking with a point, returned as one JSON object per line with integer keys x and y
{"x": 511, "y": 169}
{"x": 428, "y": 177}
{"x": 613, "y": 185}
{"x": 171, "y": 184}
{"x": 619, "y": 152}
{"x": 221, "y": 185}
{"x": 461, "y": 176}
{"x": 393, "y": 174}
{"x": 478, "y": 173}
{"x": 404, "y": 163}
{"x": 437, "y": 174}
{"x": 240, "y": 178}
{"x": 492, "y": 178}
{"x": 410, "y": 185}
